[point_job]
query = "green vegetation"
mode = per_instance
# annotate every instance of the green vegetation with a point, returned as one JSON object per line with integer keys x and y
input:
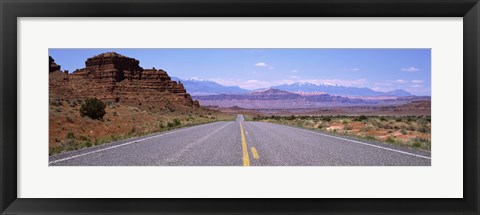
{"x": 93, "y": 108}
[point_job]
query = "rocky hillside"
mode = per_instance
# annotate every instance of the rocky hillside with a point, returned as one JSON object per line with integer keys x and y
{"x": 117, "y": 78}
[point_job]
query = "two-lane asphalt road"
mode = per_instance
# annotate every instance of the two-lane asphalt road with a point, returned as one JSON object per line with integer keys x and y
{"x": 238, "y": 143}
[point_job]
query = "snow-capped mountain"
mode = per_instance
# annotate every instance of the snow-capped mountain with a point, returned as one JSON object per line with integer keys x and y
{"x": 338, "y": 90}
{"x": 196, "y": 86}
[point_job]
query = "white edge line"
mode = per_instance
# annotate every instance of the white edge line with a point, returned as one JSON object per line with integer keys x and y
{"x": 367, "y": 144}
{"x": 123, "y": 144}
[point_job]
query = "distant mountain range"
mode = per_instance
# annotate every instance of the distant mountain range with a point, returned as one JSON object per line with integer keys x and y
{"x": 280, "y": 99}
{"x": 338, "y": 90}
{"x": 197, "y": 86}
{"x": 277, "y": 99}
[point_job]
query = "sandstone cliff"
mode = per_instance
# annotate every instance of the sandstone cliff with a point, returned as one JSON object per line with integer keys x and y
{"x": 117, "y": 78}
{"x": 52, "y": 65}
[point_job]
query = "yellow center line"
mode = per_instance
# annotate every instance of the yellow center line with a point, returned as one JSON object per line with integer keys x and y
{"x": 254, "y": 152}
{"x": 246, "y": 159}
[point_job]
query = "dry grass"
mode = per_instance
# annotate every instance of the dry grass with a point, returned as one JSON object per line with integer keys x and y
{"x": 413, "y": 131}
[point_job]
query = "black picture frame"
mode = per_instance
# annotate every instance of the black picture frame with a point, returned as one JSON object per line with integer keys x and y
{"x": 10, "y": 10}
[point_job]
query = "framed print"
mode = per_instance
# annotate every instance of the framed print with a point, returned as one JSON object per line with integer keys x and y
{"x": 219, "y": 107}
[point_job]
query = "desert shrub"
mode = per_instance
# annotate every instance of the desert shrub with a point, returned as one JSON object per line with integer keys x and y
{"x": 69, "y": 119}
{"x": 367, "y": 128}
{"x": 83, "y": 138}
{"x": 416, "y": 144}
{"x": 403, "y": 131}
{"x": 176, "y": 122}
{"x": 385, "y": 126}
{"x": 115, "y": 113}
{"x": 88, "y": 144}
{"x": 70, "y": 135}
{"x": 170, "y": 124}
{"x": 422, "y": 120}
{"x": 327, "y": 118}
{"x": 370, "y": 138}
{"x": 423, "y": 129}
{"x": 347, "y": 127}
{"x": 133, "y": 130}
{"x": 411, "y": 128}
{"x": 72, "y": 103}
{"x": 361, "y": 118}
{"x": 419, "y": 139}
{"x": 93, "y": 108}
{"x": 57, "y": 103}
{"x": 390, "y": 139}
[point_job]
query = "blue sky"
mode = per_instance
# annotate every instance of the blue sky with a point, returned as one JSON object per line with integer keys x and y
{"x": 378, "y": 69}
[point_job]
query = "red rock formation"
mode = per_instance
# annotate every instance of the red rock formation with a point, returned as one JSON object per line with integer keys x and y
{"x": 114, "y": 77}
{"x": 52, "y": 65}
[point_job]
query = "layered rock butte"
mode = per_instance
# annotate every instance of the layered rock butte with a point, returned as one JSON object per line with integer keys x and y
{"x": 117, "y": 78}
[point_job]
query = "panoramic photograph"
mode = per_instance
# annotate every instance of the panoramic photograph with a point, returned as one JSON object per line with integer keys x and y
{"x": 239, "y": 107}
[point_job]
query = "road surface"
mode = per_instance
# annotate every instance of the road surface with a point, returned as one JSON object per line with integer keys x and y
{"x": 242, "y": 143}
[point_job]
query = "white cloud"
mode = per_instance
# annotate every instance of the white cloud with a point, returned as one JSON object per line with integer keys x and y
{"x": 355, "y": 69}
{"x": 294, "y": 71}
{"x": 263, "y": 64}
{"x": 399, "y": 81}
{"x": 295, "y": 77}
{"x": 352, "y": 69}
{"x": 260, "y": 64}
{"x": 410, "y": 69}
{"x": 416, "y": 86}
{"x": 417, "y": 81}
